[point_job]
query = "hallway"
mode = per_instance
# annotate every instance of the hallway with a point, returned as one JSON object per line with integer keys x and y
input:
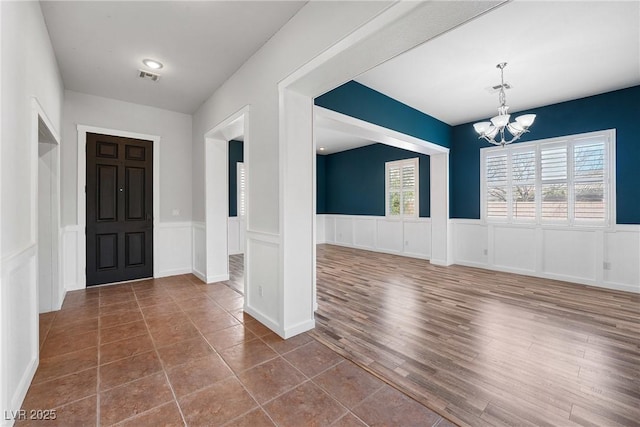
{"x": 174, "y": 352}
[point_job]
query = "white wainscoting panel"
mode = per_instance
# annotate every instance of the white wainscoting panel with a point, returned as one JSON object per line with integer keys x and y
{"x": 622, "y": 253}
{"x": 236, "y": 234}
{"x": 344, "y": 230}
{"x": 590, "y": 256}
{"x": 470, "y": 243}
{"x": 329, "y": 229}
{"x": 364, "y": 233}
{"x": 320, "y": 229}
{"x": 514, "y": 248}
{"x": 389, "y": 236}
{"x": 19, "y": 311}
{"x": 417, "y": 238}
{"x": 570, "y": 254}
{"x": 175, "y": 248}
{"x": 262, "y": 279}
{"x": 410, "y": 237}
{"x": 199, "y": 265}
{"x": 73, "y": 277}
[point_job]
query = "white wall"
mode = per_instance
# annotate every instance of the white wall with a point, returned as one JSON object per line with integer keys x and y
{"x": 29, "y": 69}
{"x": 604, "y": 258}
{"x": 175, "y": 235}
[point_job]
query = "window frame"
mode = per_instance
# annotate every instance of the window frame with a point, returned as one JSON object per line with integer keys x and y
{"x": 415, "y": 162}
{"x": 570, "y": 142}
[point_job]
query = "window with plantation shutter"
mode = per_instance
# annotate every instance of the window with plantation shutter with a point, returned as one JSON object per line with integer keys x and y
{"x": 558, "y": 181}
{"x": 241, "y": 189}
{"x": 401, "y": 184}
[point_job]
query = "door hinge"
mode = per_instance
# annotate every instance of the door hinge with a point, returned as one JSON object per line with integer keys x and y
{"x": 85, "y": 188}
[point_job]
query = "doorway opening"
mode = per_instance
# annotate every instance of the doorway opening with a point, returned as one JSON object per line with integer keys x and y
{"x": 50, "y": 294}
{"x": 227, "y": 171}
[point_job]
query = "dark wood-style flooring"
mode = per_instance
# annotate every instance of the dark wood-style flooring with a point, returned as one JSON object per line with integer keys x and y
{"x": 484, "y": 348}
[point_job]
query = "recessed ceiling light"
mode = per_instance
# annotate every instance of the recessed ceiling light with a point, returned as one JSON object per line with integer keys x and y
{"x": 155, "y": 65}
{"x": 321, "y": 148}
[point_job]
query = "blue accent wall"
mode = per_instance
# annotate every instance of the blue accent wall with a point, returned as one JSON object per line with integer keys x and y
{"x": 321, "y": 184}
{"x": 618, "y": 109}
{"x": 354, "y": 180}
{"x": 364, "y": 103}
{"x": 236, "y": 154}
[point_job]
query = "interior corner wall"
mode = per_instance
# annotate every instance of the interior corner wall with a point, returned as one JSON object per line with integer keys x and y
{"x": 355, "y": 180}
{"x": 29, "y": 69}
{"x": 619, "y": 110}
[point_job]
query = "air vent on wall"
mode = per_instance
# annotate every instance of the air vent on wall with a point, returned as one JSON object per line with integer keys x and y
{"x": 147, "y": 75}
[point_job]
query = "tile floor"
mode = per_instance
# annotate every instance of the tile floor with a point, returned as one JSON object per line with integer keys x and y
{"x": 174, "y": 351}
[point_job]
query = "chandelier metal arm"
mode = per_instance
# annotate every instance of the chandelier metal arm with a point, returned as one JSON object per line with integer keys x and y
{"x": 489, "y": 130}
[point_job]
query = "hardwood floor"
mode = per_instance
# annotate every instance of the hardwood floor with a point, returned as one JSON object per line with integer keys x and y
{"x": 236, "y": 272}
{"x": 484, "y": 348}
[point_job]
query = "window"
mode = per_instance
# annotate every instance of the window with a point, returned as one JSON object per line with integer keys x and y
{"x": 241, "y": 188}
{"x": 557, "y": 181}
{"x": 401, "y": 184}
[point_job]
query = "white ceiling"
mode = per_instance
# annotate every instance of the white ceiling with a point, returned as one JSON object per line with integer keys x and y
{"x": 334, "y": 141}
{"x": 100, "y": 45}
{"x": 556, "y": 51}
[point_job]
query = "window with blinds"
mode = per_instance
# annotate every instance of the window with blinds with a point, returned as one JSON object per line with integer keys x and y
{"x": 557, "y": 181}
{"x": 241, "y": 189}
{"x": 401, "y": 184}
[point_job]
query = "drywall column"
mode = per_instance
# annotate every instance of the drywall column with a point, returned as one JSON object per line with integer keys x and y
{"x": 296, "y": 218}
{"x": 216, "y": 210}
{"x": 441, "y": 240}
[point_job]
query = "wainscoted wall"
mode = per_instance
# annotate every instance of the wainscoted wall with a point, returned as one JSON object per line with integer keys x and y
{"x": 604, "y": 258}
{"x": 177, "y": 244}
{"x": 199, "y": 262}
{"x": 410, "y": 238}
{"x": 263, "y": 271}
{"x": 175, "y": 248}
{"x": 236, "y": 230}
{"x": 19, "y": 323}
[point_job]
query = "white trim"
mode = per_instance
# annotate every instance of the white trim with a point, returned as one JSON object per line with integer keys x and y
{"x": 216, "y": 142}
{"x": 341, "y": 122}
{"x": 401, "y": 164}
{"x": 40, "y": 114}
{"x": 81, "y": 195}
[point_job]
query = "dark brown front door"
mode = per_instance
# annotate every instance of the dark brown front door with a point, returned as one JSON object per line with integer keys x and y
{"x": 119, "y": 209}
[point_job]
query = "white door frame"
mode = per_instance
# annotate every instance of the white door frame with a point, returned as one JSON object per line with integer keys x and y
{"x": 82, "y": 197}
{"x": 216, "y": 188}
{"x": 38, "y": 114}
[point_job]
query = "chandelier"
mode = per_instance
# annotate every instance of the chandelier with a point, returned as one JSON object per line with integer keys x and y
{"x": 496, "y": 127}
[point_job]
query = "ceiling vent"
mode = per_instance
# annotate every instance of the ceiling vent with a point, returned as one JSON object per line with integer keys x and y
{"x": 147, "y": 75}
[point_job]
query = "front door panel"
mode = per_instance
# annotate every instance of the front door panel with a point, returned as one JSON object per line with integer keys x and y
{"x": 119, "y": 209}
